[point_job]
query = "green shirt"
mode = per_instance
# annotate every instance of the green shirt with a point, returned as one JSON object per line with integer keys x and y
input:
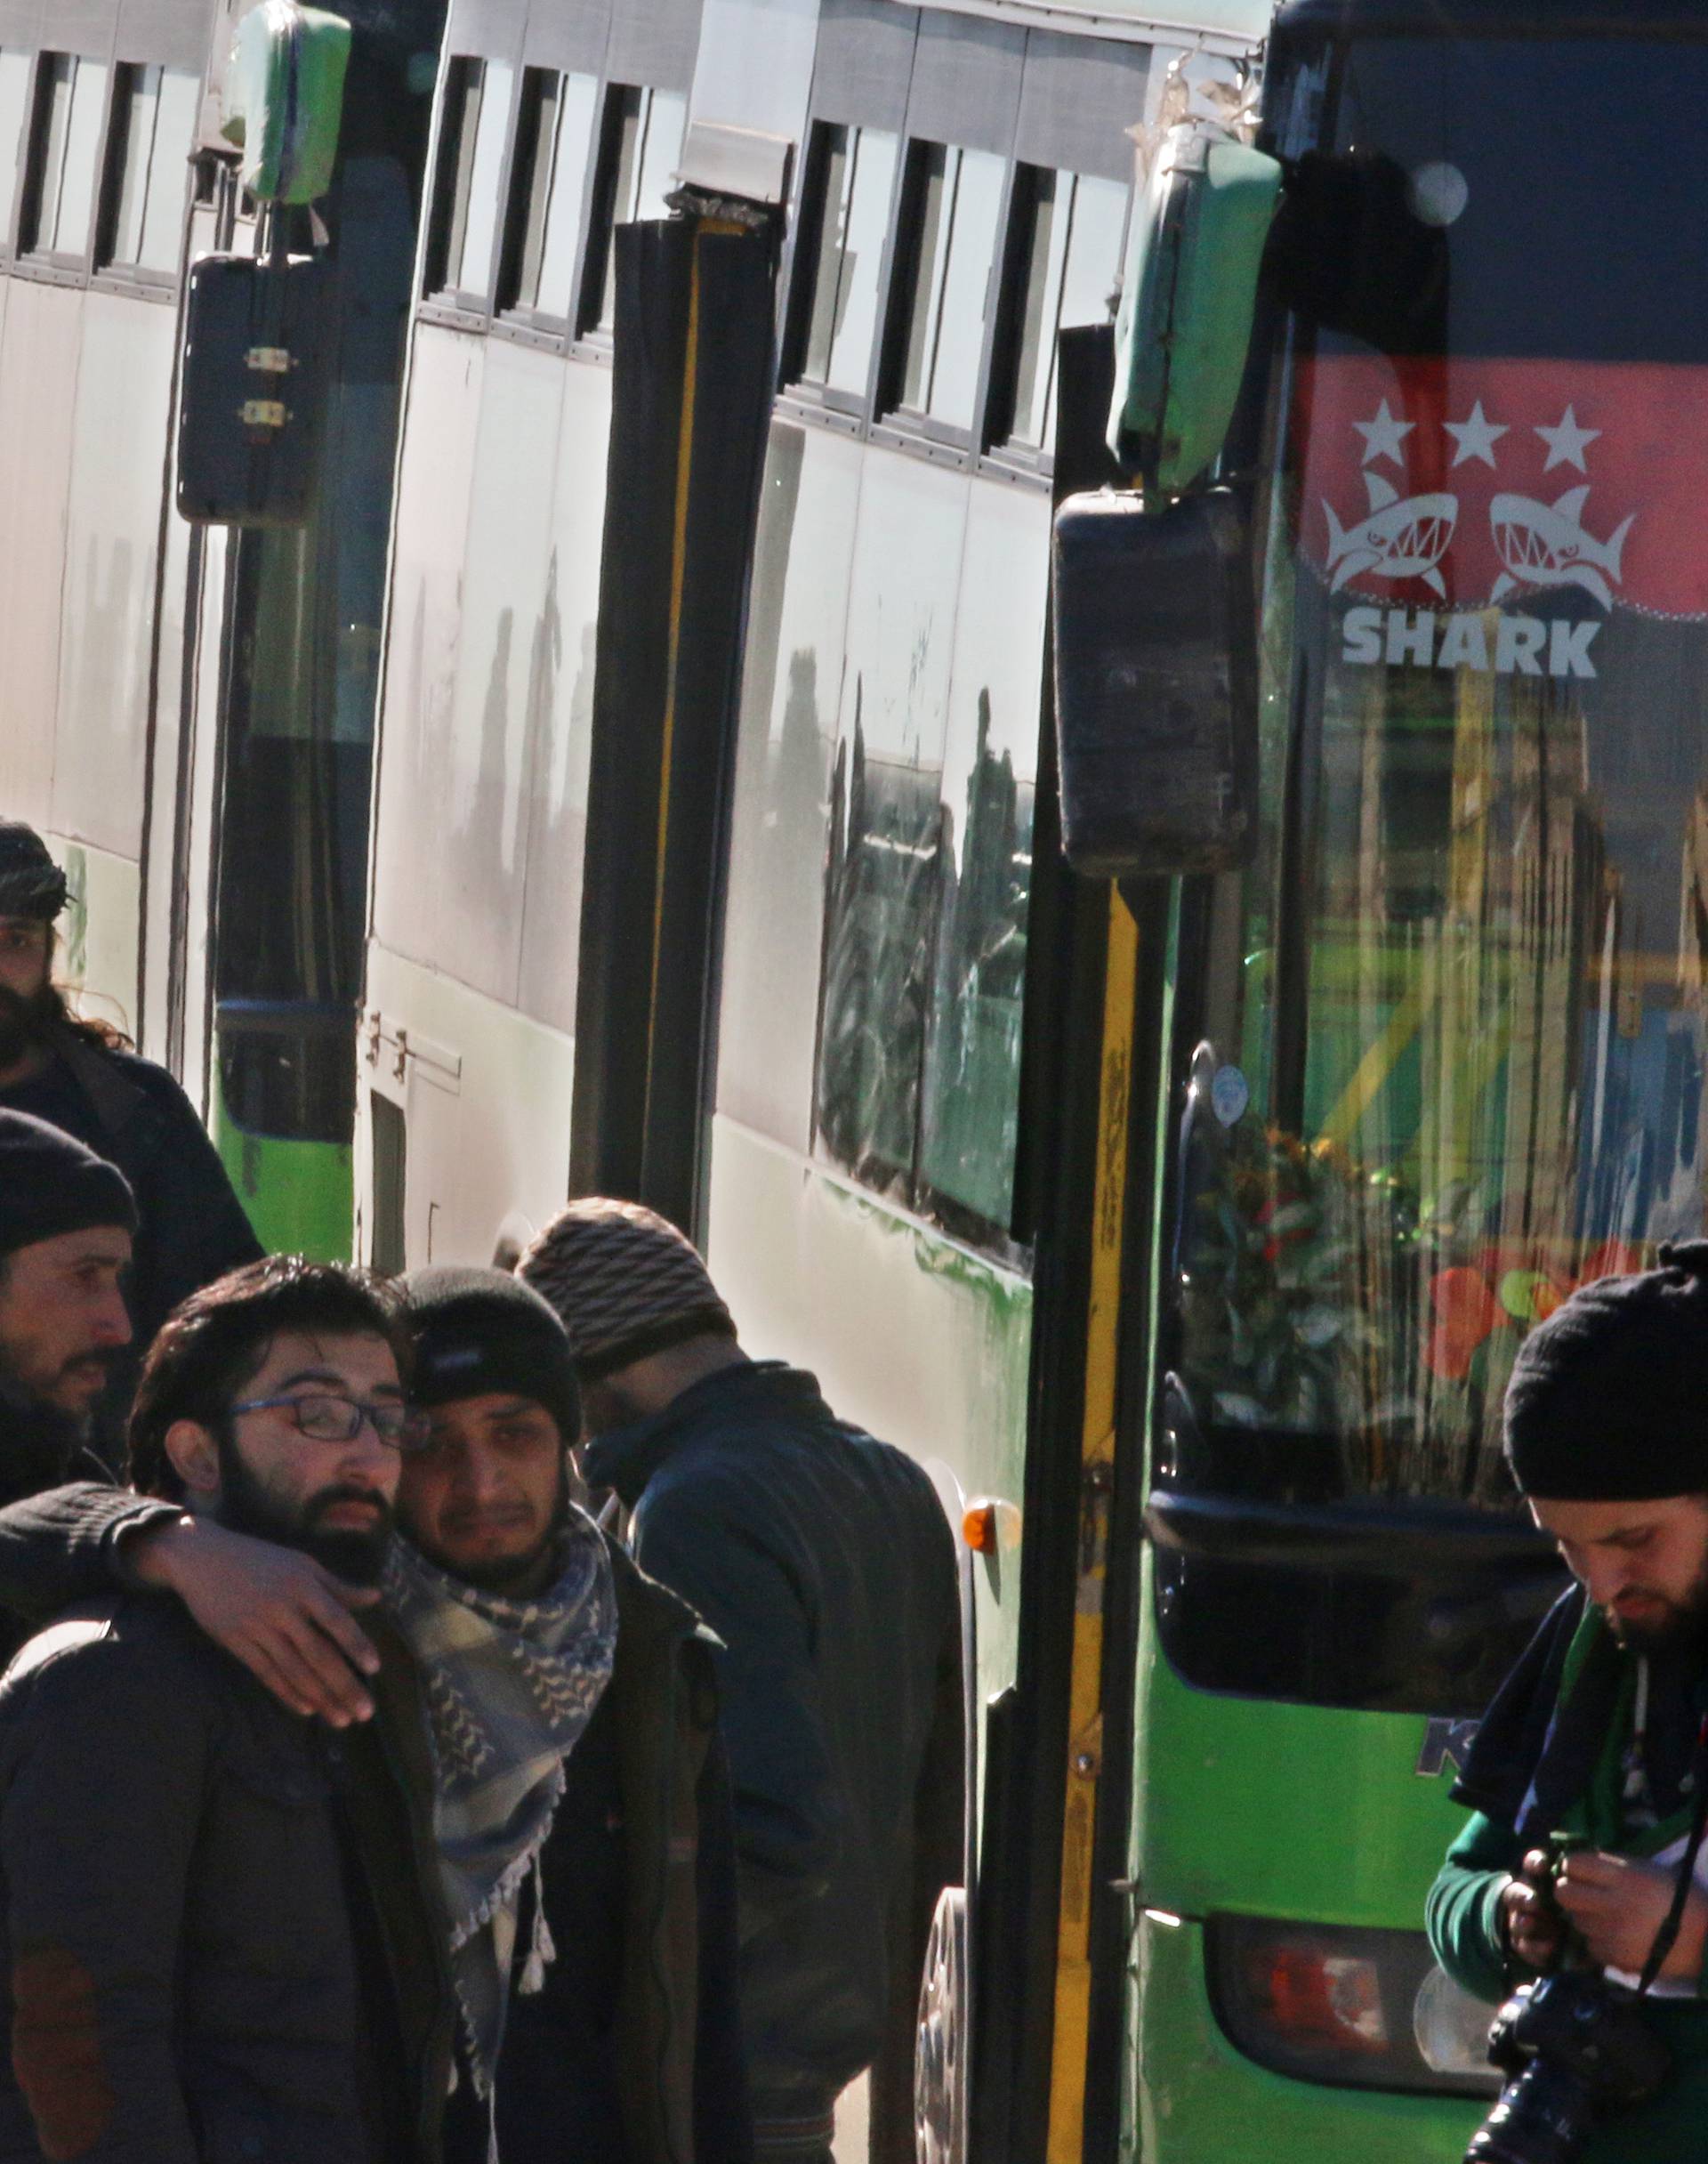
{"x": 1463, "y": 1918}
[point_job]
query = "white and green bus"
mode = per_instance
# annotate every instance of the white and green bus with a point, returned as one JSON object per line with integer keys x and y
{"x": 641, "y": 773}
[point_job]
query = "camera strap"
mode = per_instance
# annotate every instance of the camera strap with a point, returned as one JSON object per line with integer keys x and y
{"x": 1666, "y": 1937}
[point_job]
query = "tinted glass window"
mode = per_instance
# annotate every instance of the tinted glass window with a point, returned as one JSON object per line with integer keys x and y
{"x": 853, "y": 181}
{"x": 154, "y": 120}
{"x": 1452, "y": 1054}
{"x": 955, "y": 205}
{"x": 555, "y": 147}
{"x": 929, "y": 869}
{"x": 1071, "y": 227}
{"x": 14, "y": 103}
{"x": 1432, "y": 209}
{"x": 71, "y": 98}
{"x": 638, "y": 159}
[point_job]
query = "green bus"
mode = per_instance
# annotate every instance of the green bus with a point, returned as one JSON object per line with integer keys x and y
{"x": 1417, "y": 628}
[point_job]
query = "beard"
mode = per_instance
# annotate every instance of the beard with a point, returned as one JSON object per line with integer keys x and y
{"x": 510, "y": 1576}
{"x": 22, "y": 1020}
{"x": 248, "y": 1505}
{"x": 1683, "y": 1625}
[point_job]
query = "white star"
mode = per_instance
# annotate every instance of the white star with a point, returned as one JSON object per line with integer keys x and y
{"x": 1384, "y": 436}
{"x": 1567, "y": 442}
{"x": 1475, "y": 437}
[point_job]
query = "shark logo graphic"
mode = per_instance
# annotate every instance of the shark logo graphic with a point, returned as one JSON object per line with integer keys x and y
{"x": 1545, "y": 544}
{"x": 1402, "y": 537}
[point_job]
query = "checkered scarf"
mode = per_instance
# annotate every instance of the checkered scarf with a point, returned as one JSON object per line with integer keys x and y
{"x": 509, "y": 1686}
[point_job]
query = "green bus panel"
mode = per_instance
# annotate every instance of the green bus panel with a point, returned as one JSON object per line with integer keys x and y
{"x": 1312, "y": 1813}
{"x": 301, "y": 1196}
{"x": 1202, "y": 2102}
{"x": 1306, "y": 1814}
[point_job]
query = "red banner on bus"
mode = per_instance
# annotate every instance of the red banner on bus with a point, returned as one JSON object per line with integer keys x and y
{"x": 1451, "y": 484}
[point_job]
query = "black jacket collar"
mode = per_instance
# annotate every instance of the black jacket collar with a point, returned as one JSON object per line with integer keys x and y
{"x": 627, "y": 1457}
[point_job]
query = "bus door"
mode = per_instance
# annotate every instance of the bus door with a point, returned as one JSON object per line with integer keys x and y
{"x": 691, "y": 406}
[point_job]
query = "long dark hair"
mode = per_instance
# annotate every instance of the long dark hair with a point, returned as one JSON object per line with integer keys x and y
{"x": 54, "y": 1005}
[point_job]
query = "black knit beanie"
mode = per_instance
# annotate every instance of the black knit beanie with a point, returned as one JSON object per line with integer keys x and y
{"x": 1608, "y": 1400}
{"x": 31, "y": 884}
{"x": 50, "y": 1184}
{"x": 480, "y": 1331}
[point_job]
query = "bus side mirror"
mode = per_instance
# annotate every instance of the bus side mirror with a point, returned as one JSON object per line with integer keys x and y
{"x": 1189, "y": 297}
{"x": 285, "y": 99}
{"x": 252, "y": 389}
{"x": 254, "y": 383}
{"x": 1155, "y": 666}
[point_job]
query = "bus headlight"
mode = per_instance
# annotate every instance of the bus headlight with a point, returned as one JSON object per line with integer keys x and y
{"x": 1357, "y": 2008}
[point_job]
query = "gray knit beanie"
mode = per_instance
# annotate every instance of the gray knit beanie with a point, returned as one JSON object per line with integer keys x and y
{"x": 478, "y": 1331}
{"x": 625, "y": 1283}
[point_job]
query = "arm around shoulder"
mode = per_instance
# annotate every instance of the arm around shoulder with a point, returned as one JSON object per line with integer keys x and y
{"x": 66, "y": 1544}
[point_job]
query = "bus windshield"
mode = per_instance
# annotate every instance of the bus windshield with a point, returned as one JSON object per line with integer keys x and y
{"x": 1450, "y": 1061}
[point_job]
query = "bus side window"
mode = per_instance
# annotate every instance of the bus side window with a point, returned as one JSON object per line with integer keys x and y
{"x": 64, "y": 163}
{"x": 548, "y": 194}
{"x": 952, "y": 211}
{"x": 850, "y": 178}
{"x": 462, "y": 240}
{"x": 641, "y": 146}
{"x": 14, "y": 108}
{"x": 154, "y": 130}
{"x": 1064, "y": 266}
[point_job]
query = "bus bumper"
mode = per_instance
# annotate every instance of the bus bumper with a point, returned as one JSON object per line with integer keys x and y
{"x": 1197, "y": 2100}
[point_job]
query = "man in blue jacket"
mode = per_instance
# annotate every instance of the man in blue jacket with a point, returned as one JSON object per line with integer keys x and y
{"x": 824, "y": 1563}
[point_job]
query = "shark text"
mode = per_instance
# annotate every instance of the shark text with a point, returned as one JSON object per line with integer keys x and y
{"x": 1521, "y": 645}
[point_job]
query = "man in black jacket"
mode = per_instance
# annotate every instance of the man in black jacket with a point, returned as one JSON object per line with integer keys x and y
{"x": 823, "y": 1561}
{"x": 608, "y": 1900}
{"x": 65, "y": 1223}
{"x": 576, "y": 1788}
{"x": 79, "y": 1076}
{"x": 222, "y": 1937}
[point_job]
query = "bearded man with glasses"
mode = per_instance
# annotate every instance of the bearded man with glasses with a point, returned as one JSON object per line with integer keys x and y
{"x": 221, "y": 1923}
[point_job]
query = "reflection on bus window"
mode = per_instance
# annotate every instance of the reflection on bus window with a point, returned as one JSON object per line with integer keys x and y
{"x": 1071, "y": 225}
{"x": 154, "y": 120}
{"x": 71, "y": 96}
{"x": 954, "y": 209}
{"x": 970, "y": 1122}
{"x": 852, "y": 181}
{"x": 554, "y": 148}
{"x": 642, "y": 147}
{"x": 1465, "y": 989}
{"x": 925, "y": 972}
{"x": 463, "y": 240}
{"x": 14, "y": 106}
{"x": 884, "y": 880}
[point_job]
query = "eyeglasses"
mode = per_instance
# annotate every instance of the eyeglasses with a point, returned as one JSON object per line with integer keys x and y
{"x": 329, "y": 1419}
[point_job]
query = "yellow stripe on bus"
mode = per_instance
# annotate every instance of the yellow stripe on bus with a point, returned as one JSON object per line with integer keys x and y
{"x": 1073, "y": 2001}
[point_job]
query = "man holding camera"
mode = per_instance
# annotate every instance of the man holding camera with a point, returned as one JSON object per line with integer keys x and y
{"x": 1588, "y": 1783}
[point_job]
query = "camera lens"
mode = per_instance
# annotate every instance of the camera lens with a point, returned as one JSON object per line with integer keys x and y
{"x": 1542, "y": 2118}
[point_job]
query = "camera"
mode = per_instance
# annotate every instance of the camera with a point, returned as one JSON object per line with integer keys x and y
{"x": 1574, "y": 2046}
